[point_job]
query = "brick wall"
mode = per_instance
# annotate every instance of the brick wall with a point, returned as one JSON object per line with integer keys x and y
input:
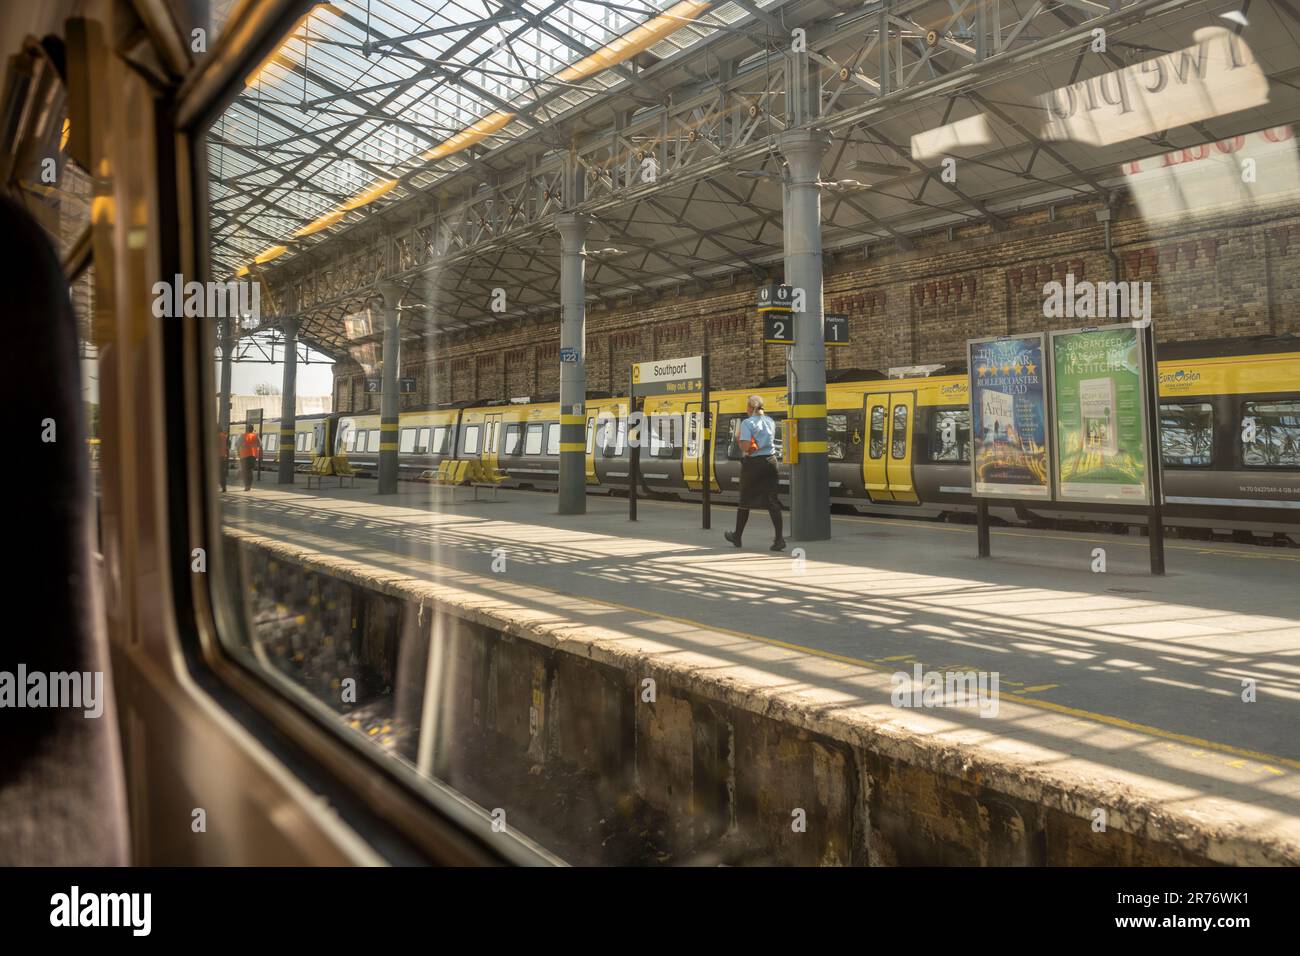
{"x": 1226, "y": 276}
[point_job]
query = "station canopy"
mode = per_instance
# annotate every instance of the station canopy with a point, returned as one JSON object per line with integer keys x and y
{"x": 431, "y": 144}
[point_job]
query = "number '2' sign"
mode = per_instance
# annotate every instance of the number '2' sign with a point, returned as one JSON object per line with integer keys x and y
{"x": 778, "y": 328}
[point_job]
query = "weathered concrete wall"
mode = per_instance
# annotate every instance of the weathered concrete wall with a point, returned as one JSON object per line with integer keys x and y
{"x": 564, "y": 741}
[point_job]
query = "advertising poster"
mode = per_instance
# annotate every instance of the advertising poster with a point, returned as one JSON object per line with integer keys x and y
{"x": 1008, "y": 409}
{"x": 1098, "y": 382}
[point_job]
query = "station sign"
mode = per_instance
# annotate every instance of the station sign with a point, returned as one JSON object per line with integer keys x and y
{"x": 668, "y": 376}
{"x": 1010, "y": 432}
{"x": 835, "y": 330}
{"x": 778, "y": 328}
{"x": 776, "y": 298}
{"x": 1099, "y": 397}
{"x": 568, "y": 355}
{"x": 375, "y": 386}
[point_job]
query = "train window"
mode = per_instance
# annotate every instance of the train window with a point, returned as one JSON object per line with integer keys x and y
{"x": 348, "y": 438}
{"x": 1186, "y": 434}
{"x": 470, "y": 445}
{"x": 837, "y": 436}
{"x": 422, "y": 441}
{"x": 731, "y": 451}
{"x": 950, "y": 435}
{"x": 533, "y": 439}
{"x": 1275, "y": 430}
{"x": 693, "y": 435}
{"x": 439, "y": 446}
{"x": 663, "y": 436}
{"x": 513, "y": 433}
{"x": 372, "y": 442}
{"x": 877, "y": 447}
{"x": 553, "y": 438}
{"x": 591, "y": 432}
{"x": 406, "y": 441}
{"x": 898, "y": 433}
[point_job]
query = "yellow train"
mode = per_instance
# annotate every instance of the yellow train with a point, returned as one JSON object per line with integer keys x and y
{"x": 897, "y": 446}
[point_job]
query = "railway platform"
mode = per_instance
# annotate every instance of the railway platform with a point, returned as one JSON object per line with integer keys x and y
{"x": 1173, "y": 701}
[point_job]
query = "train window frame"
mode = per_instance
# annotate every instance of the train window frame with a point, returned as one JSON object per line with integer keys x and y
{"x": 270, "y": 444}
{"x": 406, "y": 441}
{"x": 348, "y": 438}
{"x": 533, "y": 449}
{"x": 832, "y": 442}
{"x": 472, "y": 433}
{"x": 372, "y": 441}
{"x": 591, "y": 436}
{"x": 894, "y": 453}
{"x": 1210, "y": 457}
{"x": 1245, "y": 413}
{"x": 876, "y": 431}
{"x": 732, "y": 448}
{"x": 552, "y": 439}
{"x": 659, "y": 448}
{"x": 513, "y": 440}
{"x": 963, "y": 449}
{"x": 438, "y": 443}
{"x": 422, "y": 437}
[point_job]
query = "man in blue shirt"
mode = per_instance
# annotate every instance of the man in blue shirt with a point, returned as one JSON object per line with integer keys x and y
{"x": 758, "y": 477}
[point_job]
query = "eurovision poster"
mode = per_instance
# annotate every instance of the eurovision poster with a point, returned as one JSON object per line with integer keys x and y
{"x": 1098, "y": 380}
{"x": 1008, "y": 413}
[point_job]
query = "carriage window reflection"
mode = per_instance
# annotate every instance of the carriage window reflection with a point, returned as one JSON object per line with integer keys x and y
{"x": 1187, "y": 434}
{"x": 1276, "y": 433}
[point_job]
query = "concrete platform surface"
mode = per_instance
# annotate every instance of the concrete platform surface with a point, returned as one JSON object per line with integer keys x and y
{"x": 1116, "y": 688}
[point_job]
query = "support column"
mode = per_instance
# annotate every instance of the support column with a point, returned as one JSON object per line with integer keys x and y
{"x": 223, "y": 408}
{"x": 573, "y": 375}
{"x": 388, "y": 402}
{"x": 810, "y": 508}
{"x": 289, "y": 401}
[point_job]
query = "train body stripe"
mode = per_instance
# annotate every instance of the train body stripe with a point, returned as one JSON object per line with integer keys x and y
{"x": 808, "y": 411}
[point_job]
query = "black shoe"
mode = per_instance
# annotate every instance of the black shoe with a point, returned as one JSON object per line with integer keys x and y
{"x": 732, "y": 538}
{"x": 778, "y": 545}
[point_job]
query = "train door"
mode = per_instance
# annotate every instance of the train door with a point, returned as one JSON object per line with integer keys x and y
{"x": 693, "y": 456}
{"x": 887, "y": 458}
{"x": 491, "y": 441}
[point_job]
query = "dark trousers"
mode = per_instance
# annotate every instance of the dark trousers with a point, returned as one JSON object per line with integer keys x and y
{"x": 246, "y": 466}
{"x": 773, "y": 510}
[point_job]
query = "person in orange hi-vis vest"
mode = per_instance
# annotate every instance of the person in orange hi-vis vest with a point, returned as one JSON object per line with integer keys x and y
{"x": 250, "y": 450}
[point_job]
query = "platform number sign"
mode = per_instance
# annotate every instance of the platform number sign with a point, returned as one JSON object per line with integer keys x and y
{"x": 372, "y": 386}
{"x": 836, "y": 330}
{"x": 778, "y": 328}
